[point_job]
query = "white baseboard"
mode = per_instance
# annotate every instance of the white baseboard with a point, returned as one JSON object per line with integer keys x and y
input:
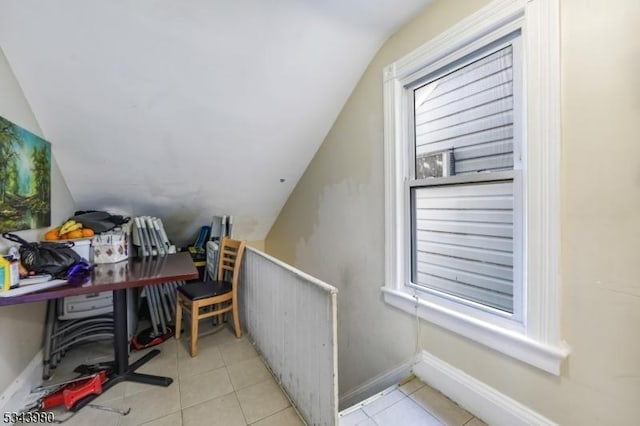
{"x": 480, "y": 399}
{"x": 375, "y": 385}
{"x": 18, "y": 394}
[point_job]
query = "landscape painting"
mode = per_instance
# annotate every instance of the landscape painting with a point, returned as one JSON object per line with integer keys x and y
{"x": 25, "y": 179}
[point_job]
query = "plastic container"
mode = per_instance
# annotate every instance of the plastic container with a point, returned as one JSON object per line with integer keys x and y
{"x": 83, "y": 248}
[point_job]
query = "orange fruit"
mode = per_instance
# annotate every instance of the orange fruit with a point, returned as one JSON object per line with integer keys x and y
{"x": 88, "y": 232}
{"x": 74, "y": 234}
{"x": 51, "y": 235}
{"x": 64, "y": 236}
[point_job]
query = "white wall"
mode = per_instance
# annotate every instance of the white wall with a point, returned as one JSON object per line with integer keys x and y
{"x": 332, "y": 225}
{"x": 21, "y": 325}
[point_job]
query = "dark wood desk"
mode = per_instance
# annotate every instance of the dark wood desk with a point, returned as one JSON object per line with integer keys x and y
{"x": 118, "y": 277}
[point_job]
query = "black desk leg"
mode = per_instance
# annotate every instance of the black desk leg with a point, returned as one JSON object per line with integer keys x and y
{"x": 122, "y": 371}
{"x": 120, "y": 331}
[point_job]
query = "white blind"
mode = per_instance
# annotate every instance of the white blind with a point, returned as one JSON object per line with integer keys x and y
{"x": 463, "y": 234}
{"x": 468, "y": 111}
{"x": 463, "y": 243}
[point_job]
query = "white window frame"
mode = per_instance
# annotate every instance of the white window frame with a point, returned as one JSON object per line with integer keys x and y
{"x": 534, "y": 335}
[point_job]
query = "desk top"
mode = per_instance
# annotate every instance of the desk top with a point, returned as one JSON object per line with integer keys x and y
{"x": 117, "y": 276}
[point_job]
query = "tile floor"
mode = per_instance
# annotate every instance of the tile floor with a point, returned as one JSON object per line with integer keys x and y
{"x": 226, "y": 384}
{"x": 410, "y": 404}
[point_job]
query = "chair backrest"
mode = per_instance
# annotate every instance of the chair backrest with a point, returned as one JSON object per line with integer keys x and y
{"x": 229, "y": 260}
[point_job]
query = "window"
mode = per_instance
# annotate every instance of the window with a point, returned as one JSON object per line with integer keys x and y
{"x": 471, "y": 181}
{"x": 464, "y": 231}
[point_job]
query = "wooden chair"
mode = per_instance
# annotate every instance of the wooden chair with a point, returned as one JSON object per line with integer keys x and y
{"x": 221, "y": 294}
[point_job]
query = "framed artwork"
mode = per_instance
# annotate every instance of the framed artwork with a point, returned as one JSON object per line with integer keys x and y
{"x": 25, "y": 179}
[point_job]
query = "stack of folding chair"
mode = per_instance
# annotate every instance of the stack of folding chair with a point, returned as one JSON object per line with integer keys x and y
{"x": 150, "y": 238}
{"x": 77, "y": 320}
{"x": 62, "y": 332}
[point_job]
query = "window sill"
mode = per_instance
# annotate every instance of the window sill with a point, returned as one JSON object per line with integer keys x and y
{"x": 542, "y": 355}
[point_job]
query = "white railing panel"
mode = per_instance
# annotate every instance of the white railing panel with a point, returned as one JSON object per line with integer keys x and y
{"x": 292, "y": 319}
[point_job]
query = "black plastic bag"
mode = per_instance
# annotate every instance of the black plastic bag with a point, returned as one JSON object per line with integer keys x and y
{"x": 99, "y": 221}
{"x": 46, "y": 258}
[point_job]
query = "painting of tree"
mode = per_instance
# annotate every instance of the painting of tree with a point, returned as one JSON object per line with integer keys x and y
{"x": 25, "y": 179}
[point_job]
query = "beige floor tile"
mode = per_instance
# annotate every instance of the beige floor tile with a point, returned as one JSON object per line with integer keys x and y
{"x": 113, "y": 393}
{"x": 353, "y": 418}
{"x": 222, "y": 411}
{"x": 152, "y": 404}
{"x": 89, "y": 416}
{"x": 159, "y": 366}
{"x": 208, "y": 337}
{"x": 219, "y": 335}
{"x": 205, "y": 386}
{"x": 286, "y": 417}
{"x": 368, "y": 422}
{"x": 208, "y": 358}
{"x": 261, "y": 400}
{"x": 183, "y": 346}
{"x": 405, "y": 413}
{"x": 168, "y": 348}
{"x": 249, "y": 372}
{"x": 382, "y": 402}
{"x": 163, "y": 358}
{"x": 85, "y": 416}
{"x": 411, "y": 386}
{"x": 173, "y": 419}
{"x": 237, "y": 351}
{"x": 441, "y": 407}
{"x": 475, "y": 422}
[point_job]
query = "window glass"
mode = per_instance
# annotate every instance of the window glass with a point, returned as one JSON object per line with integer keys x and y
{"x": 463, "y": 241}
{"x": 464, "y": 119}
{"x": 463, "y": 233}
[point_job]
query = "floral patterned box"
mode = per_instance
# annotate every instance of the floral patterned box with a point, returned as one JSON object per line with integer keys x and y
{"x": 110, "y": 247}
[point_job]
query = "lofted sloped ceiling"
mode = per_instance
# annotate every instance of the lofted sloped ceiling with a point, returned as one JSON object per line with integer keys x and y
{"x": 188, "y": 109}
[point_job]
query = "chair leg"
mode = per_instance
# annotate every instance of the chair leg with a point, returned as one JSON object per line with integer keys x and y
{"x": 178, "y": 318}
{"x": 195, "y": 311}
{"x": 218, "y": 317}
{"x": 236, "y": 319}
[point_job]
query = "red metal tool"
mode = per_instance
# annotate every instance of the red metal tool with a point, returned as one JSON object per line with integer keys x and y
{"x": 73, "y": 392}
